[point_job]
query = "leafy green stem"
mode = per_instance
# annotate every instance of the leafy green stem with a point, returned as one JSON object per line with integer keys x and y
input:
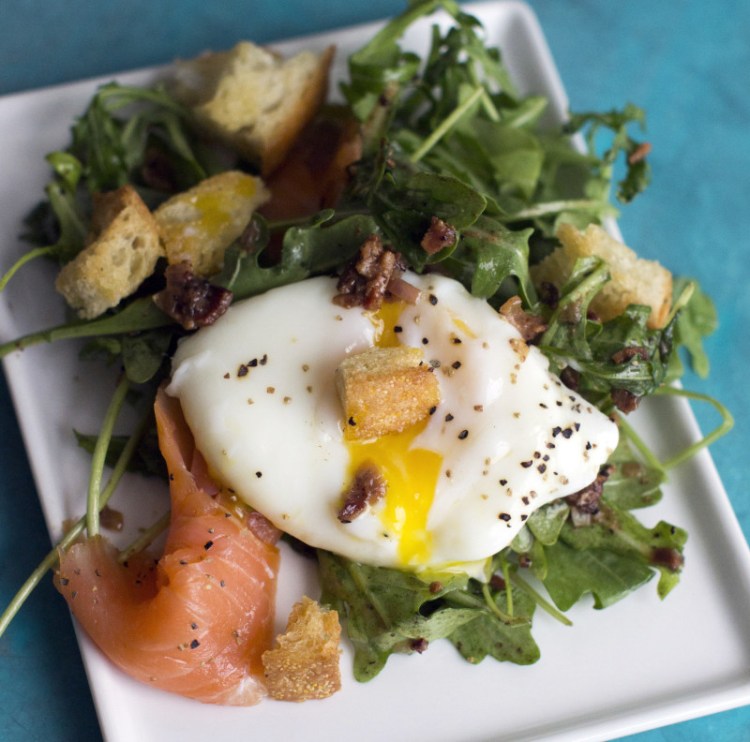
{"x": 141, "y": 314}
{"x": 726, "y": 424}
{"x": 75, "y": 531}
{"x": 492, "y": 605}
{"x": 554, "y": 207}
{"x": 100, "y": 454}
{"x": 640, "y": 445}
{"x": 448, "y": 123}
{"x": 37, "y": 252}
{"x": 540, "y": 600}
{"x": 146, "y": 538}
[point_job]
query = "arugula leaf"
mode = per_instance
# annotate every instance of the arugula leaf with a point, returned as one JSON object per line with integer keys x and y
{"x": 485, "y": 635}
{"x": 696, "y": 320}
{"x": 607, "y": 575}
{"x": 312, "y": 249}
{"x": 638, "y": 172}
{"x": 613, "y": 555}
{"x": 632, "y": 484}
{"x": 139, "y": 314}
{"x": 388, "y": 610}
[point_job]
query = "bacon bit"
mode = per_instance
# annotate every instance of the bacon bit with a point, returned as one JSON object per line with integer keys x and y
{"x": 586, "y": 500}
{"x": 529, "y": 325}
{"x": 438, "y": 236}
{"x": 263, "y": 528}
{"x": 367, "y": 488}
{"x": 111, "y": 519}
{"x": 639, "y": 153}
{"x": 400, "y": 289}
{"x": 666, "y": 557}
{"x": 625, "y": 354}
{"x": 624, "y": 400}
{"x": 497, "y": 582}
{"x": 190, "y": 300}
{"x": 365, "y": 281}
{"x": 571, "y": 378}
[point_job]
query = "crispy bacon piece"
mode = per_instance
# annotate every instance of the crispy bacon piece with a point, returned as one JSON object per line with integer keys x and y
{"x": 571, "y": 378}
{"x": 529, "y": 325}
{"x": 400, "y": 289}
{"x": 367, "y": 488}
{"x": 365, "y": 280}
{"x": 667, "y": 557}
{"x": 639, "y": 153}
{"x": 624, "y": 400}
{"x": 625, "y": 354}
{"x": 191, "y": 300}
{"x": 586, "y": 500}
{"x": 438, "y": 235}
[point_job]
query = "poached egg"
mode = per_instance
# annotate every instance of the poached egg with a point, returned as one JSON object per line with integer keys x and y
{"x": 258, "y": 392}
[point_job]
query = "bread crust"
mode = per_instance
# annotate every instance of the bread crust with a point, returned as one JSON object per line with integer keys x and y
{"x": 254, "y": 100}
{"x": 385, "y": 390}
{"x": 305, "y": 663}
{"x": 634, "y": 280}
{"x": 198, "y": 225}
{"x": 122, "y": 249}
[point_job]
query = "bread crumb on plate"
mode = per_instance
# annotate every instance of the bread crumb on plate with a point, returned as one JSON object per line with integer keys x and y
{"x": 305, "y": 663}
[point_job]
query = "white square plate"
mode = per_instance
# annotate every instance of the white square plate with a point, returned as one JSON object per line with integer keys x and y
{"x": 636, "y": 665}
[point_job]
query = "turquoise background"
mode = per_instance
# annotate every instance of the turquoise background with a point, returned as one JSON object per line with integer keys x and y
{"x": 687, "y": 63}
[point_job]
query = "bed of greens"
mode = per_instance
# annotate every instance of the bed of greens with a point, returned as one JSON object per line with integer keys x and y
{"x": 446, "y": 135}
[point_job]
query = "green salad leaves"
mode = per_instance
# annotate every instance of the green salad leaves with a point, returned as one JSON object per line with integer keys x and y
{"x": 446, "y": 137}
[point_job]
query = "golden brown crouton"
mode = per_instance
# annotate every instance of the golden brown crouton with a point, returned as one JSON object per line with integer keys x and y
{"x": 385, "y": 390}
{"x": 254, "y": 100}
{"x": 305, "y": 665}
{"x": 122, "y": 250}
{"x": 198, "y": 225}
{"x": 633, "y": 279}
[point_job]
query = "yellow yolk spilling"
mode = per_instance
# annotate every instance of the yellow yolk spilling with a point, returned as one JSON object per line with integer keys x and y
{"x": 215, "y": 210}
{"x": 385, "y": 320}
{"x": 411, "y": 476}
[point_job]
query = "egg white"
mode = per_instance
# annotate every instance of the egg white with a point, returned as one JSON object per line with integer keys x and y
{"x": 257, "y": 389}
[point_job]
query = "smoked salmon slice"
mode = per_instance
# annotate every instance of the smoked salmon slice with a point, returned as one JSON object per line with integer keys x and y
{"x": 196, "y": 621}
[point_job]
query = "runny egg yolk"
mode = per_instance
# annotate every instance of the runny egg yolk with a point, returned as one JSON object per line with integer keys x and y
{"x": 411, "y": 474}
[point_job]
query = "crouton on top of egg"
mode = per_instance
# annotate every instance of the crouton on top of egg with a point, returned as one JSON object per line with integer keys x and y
{"x": 269, "y": 389}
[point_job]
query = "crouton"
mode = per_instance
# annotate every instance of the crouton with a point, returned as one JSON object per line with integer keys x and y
{"x": 385, "y": 390}
{"x": 633, "y": 279}
{"x": 122, "y": 249}
{"x": 199, "y": 224}
{"x": 252, "y": 99}
{"x": 305, "y": 664}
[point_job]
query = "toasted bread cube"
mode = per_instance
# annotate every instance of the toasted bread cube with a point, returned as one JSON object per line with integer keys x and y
{"x": 634, "y": 280}
{"x": 198, "y": 225}
{"x": 254, "y": 100}
{"x": 385, "y": 390}
{"x": 121, "y": 253}
{"x": 305, "y": 664}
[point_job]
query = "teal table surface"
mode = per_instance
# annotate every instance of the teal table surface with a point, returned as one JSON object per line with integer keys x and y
{"x": 686, "y": 62}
